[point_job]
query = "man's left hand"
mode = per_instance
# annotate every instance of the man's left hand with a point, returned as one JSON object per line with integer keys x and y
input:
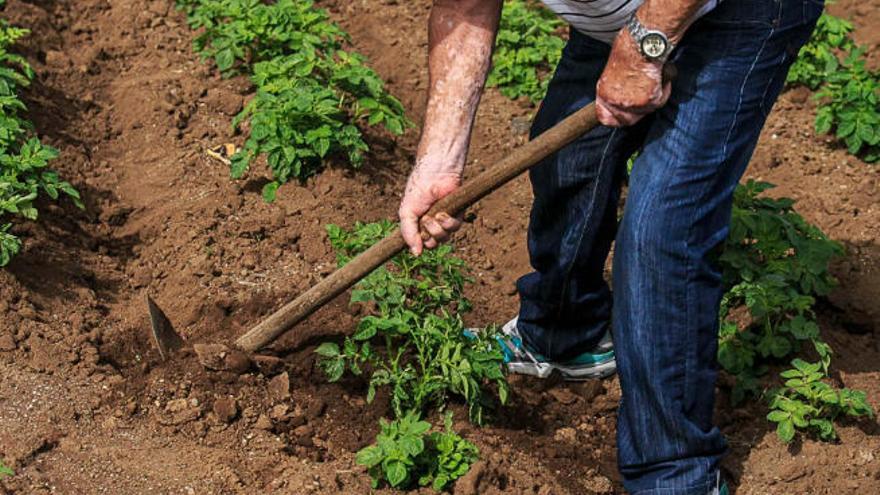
{"x": 631, "y": 86}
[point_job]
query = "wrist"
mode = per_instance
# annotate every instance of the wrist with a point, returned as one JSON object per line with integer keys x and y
{"x": 652, "y": 43}
{"x": 627, "y": 48}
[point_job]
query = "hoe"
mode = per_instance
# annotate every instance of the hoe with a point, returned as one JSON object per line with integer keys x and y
{"x": 517, "y": 162}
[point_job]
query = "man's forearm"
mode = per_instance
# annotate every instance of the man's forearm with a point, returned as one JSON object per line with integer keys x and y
{"x": 672, "y": 17}
{"x": 460, "y": 38}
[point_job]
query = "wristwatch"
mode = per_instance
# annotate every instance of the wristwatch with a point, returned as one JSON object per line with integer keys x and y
{"x": 654, "y": 45}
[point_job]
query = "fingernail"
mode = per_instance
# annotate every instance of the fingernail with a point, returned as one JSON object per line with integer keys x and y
{"x": 442, "y": 217}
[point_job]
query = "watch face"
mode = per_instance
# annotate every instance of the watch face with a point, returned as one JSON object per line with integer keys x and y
{"x": 654, "y": 45}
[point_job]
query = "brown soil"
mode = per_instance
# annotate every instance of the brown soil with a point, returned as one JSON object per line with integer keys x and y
{"x": 86, "y": 406}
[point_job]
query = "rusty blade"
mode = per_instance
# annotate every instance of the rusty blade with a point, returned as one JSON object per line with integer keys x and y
{"x": 166, "y": 339}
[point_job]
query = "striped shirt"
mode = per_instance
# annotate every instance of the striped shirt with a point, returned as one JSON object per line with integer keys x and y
{"x": 602, "y": 19}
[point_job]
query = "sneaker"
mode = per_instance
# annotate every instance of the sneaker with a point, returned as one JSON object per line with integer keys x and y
{"x": 599, "y": 363}
{"x": 720, "y": 487}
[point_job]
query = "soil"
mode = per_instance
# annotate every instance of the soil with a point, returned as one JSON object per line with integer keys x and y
{"x": 86, "y": 404}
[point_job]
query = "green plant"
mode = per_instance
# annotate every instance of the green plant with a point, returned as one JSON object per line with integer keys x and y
{"x": 848, "y": 92}
{"x": 5, "y": 471}
{"x": 405, "y": 453}
{"x": 818, "y": 57}
{"x": 848, "y": 107}
{"x": 527, "y": 49}
{"x": 774, "y": 265}
{"x": 413, "y": 340}
{"x": 806, "y": 402}
{"x": 311, "y": 92}
{"x": 23, "y": 158}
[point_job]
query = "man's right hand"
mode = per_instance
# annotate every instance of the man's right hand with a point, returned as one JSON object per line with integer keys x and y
{"x": 461, "y": 34}
{"x": 423, "y": 189}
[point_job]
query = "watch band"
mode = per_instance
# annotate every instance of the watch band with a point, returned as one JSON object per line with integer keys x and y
{"x": 653, "y": 44}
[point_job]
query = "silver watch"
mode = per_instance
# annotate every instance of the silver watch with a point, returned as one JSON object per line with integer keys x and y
{"x": 654, "y": 45}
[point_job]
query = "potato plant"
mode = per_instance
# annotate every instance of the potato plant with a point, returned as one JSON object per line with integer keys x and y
{"x": 775, "y": 265}
{"x": 406, "y": 453}
{"x": 312, "y": 94}
{"x": 847, "y": 91}
{"x": 809, "y": 403}
{"x": 413, "y": 342}
{"x": 24, "y": 160}
{"x": 527, "y": 49}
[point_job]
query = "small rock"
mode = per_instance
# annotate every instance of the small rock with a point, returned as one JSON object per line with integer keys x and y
{"x": 563, "y": 395}
{"x": 263, "y": 423}
{"x": 226, "y": 409}
{"x": 279, "y": 387}
{"x": 279, "y": 412}
{"x": 7, "y": 343}
{"x": 520, "y": 125}
{"x": 57, "y": 59}
{"x": 565, "y": 434}
{"x": 177, "y": 405}
{"x": 315, "y": 408}
{"x": 303, "y": 435}
{"x": 218, "y": 357}
{"x": 181, "y": 411}
{"x": 268, "y": 365}
{"x": 224, "y": 101}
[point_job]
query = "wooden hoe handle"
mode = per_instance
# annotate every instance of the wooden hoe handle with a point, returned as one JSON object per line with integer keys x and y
{"x": 517, "y": 162}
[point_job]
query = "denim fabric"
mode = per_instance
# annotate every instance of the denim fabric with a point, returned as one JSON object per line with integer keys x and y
{"x": 732, "y": 65}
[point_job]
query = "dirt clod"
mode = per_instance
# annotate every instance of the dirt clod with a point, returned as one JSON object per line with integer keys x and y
{"x": 218, "y": 357}
{"x": 226, "y": 409}
{"x": 279, "y": 387}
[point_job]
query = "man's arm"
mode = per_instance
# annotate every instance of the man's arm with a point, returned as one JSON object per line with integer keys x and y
{"x": 461, "y": 35}
{"x": 631, "y": 86}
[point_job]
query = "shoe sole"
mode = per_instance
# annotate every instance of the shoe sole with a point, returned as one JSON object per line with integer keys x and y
{"x": 603, "y": 370}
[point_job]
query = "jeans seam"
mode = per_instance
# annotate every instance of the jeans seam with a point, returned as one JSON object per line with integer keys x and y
{"x": 689, "y": 266}
{"x": 591, "y": 210}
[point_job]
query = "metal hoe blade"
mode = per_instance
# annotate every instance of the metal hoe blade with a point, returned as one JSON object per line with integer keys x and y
{"x": 166, "y": 339}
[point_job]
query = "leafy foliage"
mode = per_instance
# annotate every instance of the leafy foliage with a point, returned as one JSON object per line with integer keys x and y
{"x": 24, "y": 160}
{"x": 818, "y": 58}
{"x": 527, "y": 49}
{"x": 848, "y": 92}
{"x": 5, "y": 471}
{"x": 806, "y": 402}
{"x": 414, "y": 340}
{"x": 775, "y": 264}
{"x": 406, "y": 453}
{"x": 311, "y": 92}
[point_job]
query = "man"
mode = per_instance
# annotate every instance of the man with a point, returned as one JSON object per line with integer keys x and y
{"x": 694, "y": 135}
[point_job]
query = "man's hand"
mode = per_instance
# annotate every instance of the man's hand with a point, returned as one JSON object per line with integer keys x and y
{"x": 461, "y": 34}
{"x": 631, "y": 86}
{"x": 423, "y": 189}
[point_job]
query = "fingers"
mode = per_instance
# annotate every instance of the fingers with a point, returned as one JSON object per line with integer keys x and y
{"x": 438, "y": 229}
{"x": 612, "y": 116}
{"x": 409, "y": 229}
{"x": 450, "y": 224}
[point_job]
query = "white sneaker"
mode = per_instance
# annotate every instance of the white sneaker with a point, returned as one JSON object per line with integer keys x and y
{"x": 598, "y": 363}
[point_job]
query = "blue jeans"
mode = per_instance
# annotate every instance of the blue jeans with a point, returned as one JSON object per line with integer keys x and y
{"x": 731, "y": 65}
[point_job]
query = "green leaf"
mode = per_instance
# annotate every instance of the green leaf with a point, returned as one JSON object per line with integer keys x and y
{"x": 369, "y": 456}
{"x": 269, "y": 191}
{"x": 328, "y": 350}
{"x": 778, "y": 416}
{"x": 785, "y": 430}
{"x": 396, "y": 473}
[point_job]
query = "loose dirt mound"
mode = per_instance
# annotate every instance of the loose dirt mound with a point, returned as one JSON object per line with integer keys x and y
{"x": 87, "y": 407}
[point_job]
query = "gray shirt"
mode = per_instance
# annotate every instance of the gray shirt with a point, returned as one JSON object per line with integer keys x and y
{"x": 602, "y": 19}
